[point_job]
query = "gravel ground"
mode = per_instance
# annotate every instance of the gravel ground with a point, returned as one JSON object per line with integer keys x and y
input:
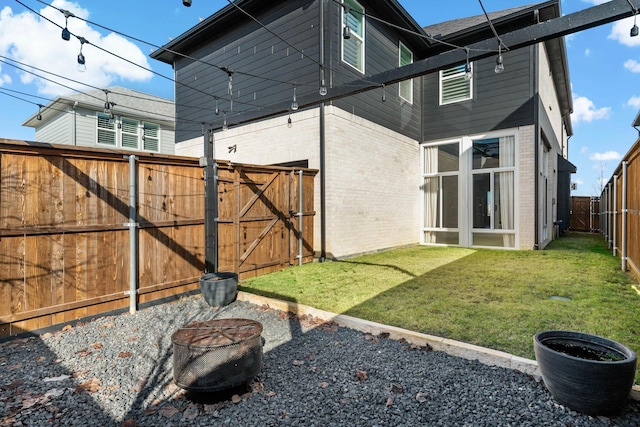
{"x": 117, "y": 371}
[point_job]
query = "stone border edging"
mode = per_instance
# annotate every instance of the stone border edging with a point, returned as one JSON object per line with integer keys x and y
{"x": 452, "y": 347}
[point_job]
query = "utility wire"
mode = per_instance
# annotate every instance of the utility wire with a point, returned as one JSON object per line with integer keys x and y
{"x": 495, "y": 33}
{"x": 127, "y": 60}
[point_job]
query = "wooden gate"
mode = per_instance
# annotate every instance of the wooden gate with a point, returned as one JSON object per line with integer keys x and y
{"x": 259, "y": 218}
{"x": 585, "y": 213}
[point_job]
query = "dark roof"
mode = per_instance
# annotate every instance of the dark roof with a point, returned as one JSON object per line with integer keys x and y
{"x": 455, "y": 25}
{"x": 230, "y": 15}
{"x": 636, "y": 121}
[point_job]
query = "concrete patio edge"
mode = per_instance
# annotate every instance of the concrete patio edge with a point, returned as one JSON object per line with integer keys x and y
{"x": 455, "y": 348}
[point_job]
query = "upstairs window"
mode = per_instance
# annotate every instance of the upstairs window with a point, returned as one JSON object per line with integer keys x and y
{"x": 118, "y": 131}
{"x": 353, "y": 46}
{"x": 455, "y": 85}
{"x": 151, "y": 137}
{"x": 129, "y": 133}
{"x": 106, "y": 130}
{"x": 406, "y": 86}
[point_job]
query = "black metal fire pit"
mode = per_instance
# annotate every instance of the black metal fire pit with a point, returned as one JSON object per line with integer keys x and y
{"x": 216, "y": 354}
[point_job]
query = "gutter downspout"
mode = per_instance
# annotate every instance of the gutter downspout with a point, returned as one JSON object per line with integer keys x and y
{"x": 536, "y": 118}
{"x": 323, "y": 207}
{"x": 624, "y": 217}
{"x": 74, "y": 137}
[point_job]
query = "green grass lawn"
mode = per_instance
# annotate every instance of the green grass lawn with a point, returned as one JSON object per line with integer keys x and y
{"x": 492, "y": 298}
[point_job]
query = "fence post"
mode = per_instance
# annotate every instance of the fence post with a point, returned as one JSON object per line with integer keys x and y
{"x": 133, "y": 225}
{"x": 624, "y": 216}
{"x": 615, "y": 215}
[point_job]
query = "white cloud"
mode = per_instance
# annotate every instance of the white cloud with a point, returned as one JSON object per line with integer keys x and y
{"x": 587, "y": 52}
{"x": 634, "y": 102}
{"x": 578, "y": 181}
{"x": 632, "y": 65}
{"x": 595, "y": 2}
{"x": 32, "y": 40}
{"x": 584, "y": 110}
{"x": 620, "y": 32}
{"x": 584, "y": 149}
{"x": 603, "y": 157}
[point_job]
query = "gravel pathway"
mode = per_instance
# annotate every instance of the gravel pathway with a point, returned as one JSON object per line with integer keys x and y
{"x": 117, "y": 371}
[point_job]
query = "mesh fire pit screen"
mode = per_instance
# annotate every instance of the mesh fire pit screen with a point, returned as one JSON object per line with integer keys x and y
{"x": 216, "y": 354}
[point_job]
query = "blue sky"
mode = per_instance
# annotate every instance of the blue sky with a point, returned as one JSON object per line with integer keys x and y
{"x": 604, "y": 63}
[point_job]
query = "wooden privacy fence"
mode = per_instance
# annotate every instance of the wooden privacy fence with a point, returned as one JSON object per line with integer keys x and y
{"x": 620, "y": 211}
{"x": 585, "y": 213}
{"x": 65, "y": 228}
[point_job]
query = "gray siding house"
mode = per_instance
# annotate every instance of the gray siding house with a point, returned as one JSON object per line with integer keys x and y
{"x": 438, "y": 159}
{"x": 132, "y": 121}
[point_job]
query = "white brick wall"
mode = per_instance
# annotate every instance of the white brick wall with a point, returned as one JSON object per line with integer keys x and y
{"x": 526, "y": 190}
{"x": 372, "y": 174}
{"x": 373, "y": 192}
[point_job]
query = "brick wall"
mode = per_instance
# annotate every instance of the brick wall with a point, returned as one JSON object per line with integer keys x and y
{"x": 372, "y": 184}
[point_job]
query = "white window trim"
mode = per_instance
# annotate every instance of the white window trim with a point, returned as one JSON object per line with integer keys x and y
{"x": 362, "y": 39}
{"x": 424, "y": 175}
{"x": 468, "y": 146}
{"x": 114, "y": 131}
{"x": 410, "y": 82}
{"x": 440, "y": 79}
{"x": 118, "y": 134}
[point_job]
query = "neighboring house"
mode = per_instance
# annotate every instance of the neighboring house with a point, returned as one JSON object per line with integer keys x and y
{"x": 438, "y": 159}
{"x": 134, "y": 121}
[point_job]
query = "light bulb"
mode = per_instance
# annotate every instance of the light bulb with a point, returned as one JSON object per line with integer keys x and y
{"x": 634, "y": 31}
{"x": 499, "y": 65}
{"x": 82, "y": 67}
{"x": 66, "y": 35}
{"x": 186, "y": 3}
{"x": 323, "y": 90}
{"x": 289, "y": 124}
{"x": 294, "y": 105}
{"x": 468, "y": 74}
{"x": 346, "y": 33}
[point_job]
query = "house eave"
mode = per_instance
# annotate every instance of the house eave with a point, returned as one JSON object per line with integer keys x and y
{"x": 230, "y": 15}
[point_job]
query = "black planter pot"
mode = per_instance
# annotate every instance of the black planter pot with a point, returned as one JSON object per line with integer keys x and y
{"x": 219, "y": 289}
{"x": 587, "y": 373}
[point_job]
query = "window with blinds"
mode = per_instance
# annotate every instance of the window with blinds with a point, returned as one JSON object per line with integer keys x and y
{"x": 129, "y": 133}
{"x": 151, "y": 137}
{"x": 118, "y": 131}
{"x": 106, "y": 129}
{"x": 406, "y": 86}
{"x": 353, "y": 47}
{"x": 454, "y": 85}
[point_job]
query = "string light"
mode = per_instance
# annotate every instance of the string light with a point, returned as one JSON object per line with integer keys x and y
{"x": 468, "y": 73}
{"x": 217, "y": 110}
{"x": 634, "y": 29}
{"x": 294, "y": 103}
{"x": 289, "y": 123}
{"x": 323, "y": 86}
{"x": 225, "y": 126}
{"x": 499, "y": 65}
{"x": 384, "y": 93}
{"x": 186, "y": 3}
{"x": 82, "y": 67}
{"x": 39, "y": 116}
{"x": 66, "y": 34}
